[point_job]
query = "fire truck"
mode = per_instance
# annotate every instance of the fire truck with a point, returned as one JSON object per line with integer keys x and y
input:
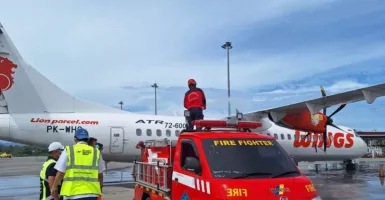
{"x": 223, "y": 160}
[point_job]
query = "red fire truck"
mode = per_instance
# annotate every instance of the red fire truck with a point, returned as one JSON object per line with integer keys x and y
{"x": 225, "y": 160}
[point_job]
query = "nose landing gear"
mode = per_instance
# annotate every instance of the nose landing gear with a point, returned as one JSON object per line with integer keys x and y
{"x": 349, "y": 165}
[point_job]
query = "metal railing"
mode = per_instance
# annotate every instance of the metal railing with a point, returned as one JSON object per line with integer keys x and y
{"x": 152, "y": 175}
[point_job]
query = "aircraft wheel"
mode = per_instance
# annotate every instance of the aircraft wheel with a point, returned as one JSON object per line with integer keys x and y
{"x": 350, "y": 166}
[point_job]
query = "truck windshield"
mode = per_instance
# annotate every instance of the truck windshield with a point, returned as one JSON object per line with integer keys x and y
{"x": 247, "y": 158}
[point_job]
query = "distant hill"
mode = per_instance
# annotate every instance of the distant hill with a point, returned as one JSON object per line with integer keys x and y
{"x": 6, "y": 143}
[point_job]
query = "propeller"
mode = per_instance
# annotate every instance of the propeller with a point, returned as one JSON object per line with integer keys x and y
{"x": 238, "y": 114}
{"x": 329, "y": 121}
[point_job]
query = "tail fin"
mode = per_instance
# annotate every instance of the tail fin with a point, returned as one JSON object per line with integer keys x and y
{"x": 25, "y": 90}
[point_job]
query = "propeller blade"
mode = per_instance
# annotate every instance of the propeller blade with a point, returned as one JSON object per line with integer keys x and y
{"x": 338, "y": 110}
{"x": 323, "y": 91}
{"x": 305, "y": 136}
{"x": 325, "y": 137}
{"x": 338, "y": 127}
{"x": 324, "y": 95}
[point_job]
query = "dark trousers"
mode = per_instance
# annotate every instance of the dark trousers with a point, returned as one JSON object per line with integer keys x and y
{"x": 195, "y": 114}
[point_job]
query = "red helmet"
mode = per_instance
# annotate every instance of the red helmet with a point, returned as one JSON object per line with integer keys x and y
{"x": 191, "y": 82}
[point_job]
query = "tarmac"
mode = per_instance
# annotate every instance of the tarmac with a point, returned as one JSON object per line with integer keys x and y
{"x": 19, "y": 180}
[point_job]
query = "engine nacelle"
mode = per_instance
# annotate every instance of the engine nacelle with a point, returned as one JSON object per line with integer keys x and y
{"x": 304, "y": 122}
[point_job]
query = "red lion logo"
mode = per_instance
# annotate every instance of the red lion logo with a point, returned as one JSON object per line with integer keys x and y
{"x": 6, "y": 79}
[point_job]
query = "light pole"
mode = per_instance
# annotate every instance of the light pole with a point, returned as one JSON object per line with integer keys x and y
{"x": 155, "y": 86}
{"x": 121, "y": 105}
{"x": 228, "y": 46}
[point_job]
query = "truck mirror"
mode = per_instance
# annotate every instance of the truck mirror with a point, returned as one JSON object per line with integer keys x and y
{"x": 192, "y": 164}
{"x": 187, "y": 113}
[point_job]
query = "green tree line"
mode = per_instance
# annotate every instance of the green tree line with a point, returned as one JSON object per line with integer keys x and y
{"x": 21, "y": 151}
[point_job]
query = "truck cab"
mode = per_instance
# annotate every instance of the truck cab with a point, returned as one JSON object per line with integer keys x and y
{"x": 230, "y": 162}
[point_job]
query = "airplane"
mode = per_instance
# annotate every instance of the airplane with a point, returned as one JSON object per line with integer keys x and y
{"x": 34, "y": 111}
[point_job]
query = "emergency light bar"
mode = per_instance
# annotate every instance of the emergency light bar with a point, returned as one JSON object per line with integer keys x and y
{"x": 225, "y": 124}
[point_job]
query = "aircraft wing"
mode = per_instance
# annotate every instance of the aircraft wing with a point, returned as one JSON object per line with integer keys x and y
{"x": 315, "y": 105}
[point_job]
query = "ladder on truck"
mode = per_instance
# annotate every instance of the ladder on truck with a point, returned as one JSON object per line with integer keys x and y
{"x": 154, "y": 173}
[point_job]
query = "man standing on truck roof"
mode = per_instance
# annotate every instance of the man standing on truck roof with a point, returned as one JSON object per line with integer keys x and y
{"x": 195, "y": 103}
{"x": 80, "y": 167}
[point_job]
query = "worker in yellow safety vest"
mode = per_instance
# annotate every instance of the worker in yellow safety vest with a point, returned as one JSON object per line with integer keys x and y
{"x": 81, "y": 169}
{"x": 48, "y": 172}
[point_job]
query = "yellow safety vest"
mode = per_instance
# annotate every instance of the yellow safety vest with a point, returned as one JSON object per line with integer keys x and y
{"x": 81, "y": 176}
{"x": 44, "y": 181}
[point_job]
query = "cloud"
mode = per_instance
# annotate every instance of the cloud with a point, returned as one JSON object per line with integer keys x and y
{"x": 338, "y": 87}
{"x": 283, "y": 50}
{"x": 130, "y": 42}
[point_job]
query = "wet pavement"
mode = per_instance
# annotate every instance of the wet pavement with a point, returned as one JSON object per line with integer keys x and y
{"x": 27, "y": 187}
{"x": 331, "y": 184}
{"x": 335, "y": 183}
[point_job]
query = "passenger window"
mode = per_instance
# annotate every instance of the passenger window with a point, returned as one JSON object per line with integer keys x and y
{"x": 282, "y": 136}
{"x": 149, "y": 132}
{"x": 269, "y": 134}
{"x": 138, "y": 132}
{"x": 177, "y": 132}
{"x": 188, "y": 152}
{"x": 314, "y": 137}
{"x": 288, "y": 136}
{"x": 276, "y": 136}
{"x": 158, "y": 132}
{"x": 295, "y": 137}
{"x": 168, "y": 133}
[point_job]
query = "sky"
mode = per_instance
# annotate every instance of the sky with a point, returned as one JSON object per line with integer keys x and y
{"x": 111, "y": 51}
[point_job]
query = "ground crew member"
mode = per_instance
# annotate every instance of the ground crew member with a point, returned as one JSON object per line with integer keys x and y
{"x": 48, "y": 172}
{"x": 92, "y": 141}
{"x": 99, "y": 146}
{"x": 195, "y": 103}
{"x": 80, "y": 168}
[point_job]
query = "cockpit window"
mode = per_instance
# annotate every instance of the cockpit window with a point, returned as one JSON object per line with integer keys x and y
{"x": 355, "y": 133}
{"x": 247, "y": 158}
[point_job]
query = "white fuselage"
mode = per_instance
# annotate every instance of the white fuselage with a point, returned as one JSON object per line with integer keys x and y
{"x": 120, "y": 132}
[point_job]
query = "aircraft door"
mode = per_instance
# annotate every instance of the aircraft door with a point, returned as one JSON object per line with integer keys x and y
{"x": 116, "y": 140}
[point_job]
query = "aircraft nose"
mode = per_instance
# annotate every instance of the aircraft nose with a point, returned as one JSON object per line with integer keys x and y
{"x": 364, "y": 146}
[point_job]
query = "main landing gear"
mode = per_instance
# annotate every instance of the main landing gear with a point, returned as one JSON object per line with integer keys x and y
{"x": 349, "y": 165}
